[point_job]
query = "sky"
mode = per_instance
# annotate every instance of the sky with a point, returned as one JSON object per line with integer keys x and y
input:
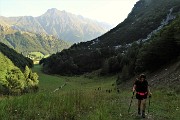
{"x": 109, "y": 11}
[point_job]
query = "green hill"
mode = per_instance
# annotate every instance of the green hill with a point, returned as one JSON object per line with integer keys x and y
{"x": 26, "y": 42}
{"x": 18, "y": 59}
{"x": 16, "y": 77}
{"x": 13, "y": 80}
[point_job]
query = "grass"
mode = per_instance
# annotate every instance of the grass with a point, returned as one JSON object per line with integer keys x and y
{"x": 79, "y": 100}
{"x": 48, "y": 83}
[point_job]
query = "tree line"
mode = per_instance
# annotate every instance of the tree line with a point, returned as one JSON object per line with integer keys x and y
{"x": 127, "y": 60}
{"x": 18, "y": 59}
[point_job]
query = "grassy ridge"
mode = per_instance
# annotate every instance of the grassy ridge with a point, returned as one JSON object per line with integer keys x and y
{"x": 79, "y": 100}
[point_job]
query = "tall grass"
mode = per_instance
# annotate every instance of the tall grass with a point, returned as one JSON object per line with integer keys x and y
{"x": 79, "y": 100}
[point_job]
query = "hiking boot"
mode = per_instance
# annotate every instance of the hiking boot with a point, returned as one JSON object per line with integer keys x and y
{"x": 143, "y": 114}
{"x": 139, "y": 111}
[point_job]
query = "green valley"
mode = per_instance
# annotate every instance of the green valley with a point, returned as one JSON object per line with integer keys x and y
{"x": 44, "y": 78}
{"x": 80, "y": 99}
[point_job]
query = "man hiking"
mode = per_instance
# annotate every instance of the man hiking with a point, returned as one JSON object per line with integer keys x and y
{"x": 142, "y": 90}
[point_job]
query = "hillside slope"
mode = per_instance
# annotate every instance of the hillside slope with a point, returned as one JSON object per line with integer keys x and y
{"x": 145, "y": 17}
{"x": 134, "y": 56}
{"x": 13, "y": 80}
{"x": 26, "y": 42}
{"x": 166, "y": 77}
{"x": 18, "y": 59}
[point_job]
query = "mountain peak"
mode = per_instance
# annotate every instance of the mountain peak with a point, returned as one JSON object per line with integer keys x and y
{"x": 52, "y": 11}
{"x": 55, "y": 12}
{"x": 62, "y": 24}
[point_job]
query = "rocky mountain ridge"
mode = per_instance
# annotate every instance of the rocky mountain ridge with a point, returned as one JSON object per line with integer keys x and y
{"x": 61, "y": 24}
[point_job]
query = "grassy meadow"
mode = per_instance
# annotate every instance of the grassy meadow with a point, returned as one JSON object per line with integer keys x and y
{"x": 80, "y": 99}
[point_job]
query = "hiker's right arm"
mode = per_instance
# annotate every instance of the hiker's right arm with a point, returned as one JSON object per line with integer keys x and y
{"x": 134, "y": 86}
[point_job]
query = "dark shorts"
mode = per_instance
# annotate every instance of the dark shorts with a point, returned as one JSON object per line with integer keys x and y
{"x": 141, "y": 97}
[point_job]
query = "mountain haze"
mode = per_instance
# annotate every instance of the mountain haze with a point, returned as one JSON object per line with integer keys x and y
{"x": 64, "y": 25}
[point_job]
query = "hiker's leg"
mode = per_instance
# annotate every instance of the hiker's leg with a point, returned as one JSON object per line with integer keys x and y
{"x": 143, "y": 107}
{"x": 143, "y": 104}
{"x": 139, "y": 103}
{"x": 139, "y": 107}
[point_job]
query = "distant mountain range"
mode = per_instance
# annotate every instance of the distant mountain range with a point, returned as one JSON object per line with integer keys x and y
{"x": 27, "y": 42}
{"x": 61, "y": 24}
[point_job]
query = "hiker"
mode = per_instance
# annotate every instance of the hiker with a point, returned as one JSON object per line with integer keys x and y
{"x": 142, "y": 90}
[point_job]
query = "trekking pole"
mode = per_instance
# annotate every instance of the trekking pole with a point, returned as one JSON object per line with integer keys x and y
{"x": 130, "y": 102}
{"x": 149, "y": 103}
